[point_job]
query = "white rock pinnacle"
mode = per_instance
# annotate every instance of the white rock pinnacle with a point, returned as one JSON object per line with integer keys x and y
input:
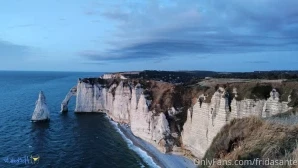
{"x": 41, "y": 111}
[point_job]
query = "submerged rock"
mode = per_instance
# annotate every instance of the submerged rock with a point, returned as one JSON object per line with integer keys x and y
{"x": 41, "y": 111}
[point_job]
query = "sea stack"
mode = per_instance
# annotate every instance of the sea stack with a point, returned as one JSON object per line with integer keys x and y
{"x": 41, "y": 111}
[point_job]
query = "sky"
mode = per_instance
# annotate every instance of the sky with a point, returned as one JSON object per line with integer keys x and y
{"x": 129, "y": 35}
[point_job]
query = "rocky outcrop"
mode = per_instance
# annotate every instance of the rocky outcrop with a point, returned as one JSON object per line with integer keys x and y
{"x": 64, "y": 104}
{"x": 128, "y": 101}
{"x": 205, "y": 120}
{"x": 41, "y": 111}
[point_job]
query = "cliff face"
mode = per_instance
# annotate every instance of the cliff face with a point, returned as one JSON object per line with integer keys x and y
{"x": 125, "y": 104}
{"x": 168, "y": 116}
{"x": 205, "y": 120}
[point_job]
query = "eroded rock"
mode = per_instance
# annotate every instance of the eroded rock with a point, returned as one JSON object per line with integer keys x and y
{"x": 41, "y": 111}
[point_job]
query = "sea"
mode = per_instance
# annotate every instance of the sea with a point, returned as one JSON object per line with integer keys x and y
{"x": 68, "y": 140}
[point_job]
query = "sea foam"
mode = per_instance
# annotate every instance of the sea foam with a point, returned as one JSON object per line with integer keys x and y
{"x": 146, "y": 158}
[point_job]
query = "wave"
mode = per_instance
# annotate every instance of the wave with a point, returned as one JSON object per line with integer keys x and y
{"x": 143, "y": 154}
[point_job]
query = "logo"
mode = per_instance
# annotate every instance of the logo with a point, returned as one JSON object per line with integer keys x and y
{"x": 35, "y": 159}
{"x": 23, "y": 160}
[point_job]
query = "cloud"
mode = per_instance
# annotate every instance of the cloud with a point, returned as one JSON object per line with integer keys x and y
{"x": 9, "y": 50}
{"x": 90, "y": 12}
{"x": 121, "y": 55}
{"x": 96, "y": 21}
{"x": 116, "y": 15}
{"x": 21, "y": 26}
{"x": 95, "y": 63}
{"x": 156, "y": 29}
{"x": 162, "y": 48}
{"x": 257, "y": 62}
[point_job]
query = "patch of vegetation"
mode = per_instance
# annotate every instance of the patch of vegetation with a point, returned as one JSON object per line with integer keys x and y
{"x": 250, "y": 138}
{"x": 251, "y": 90}
{"x": 183, "y": 77}
{"x": 285, "y": 114}
{"x": 292, "y": 75}
{"x": 192, "y": 77}
{"x": 145, "y": 84}
{"x": 148, "y": 94}
{"x": 113, "y": 91}
{"x": 104, "y": 82}
{"x": 294, "y": 98}
{"x": 261, "y": 91}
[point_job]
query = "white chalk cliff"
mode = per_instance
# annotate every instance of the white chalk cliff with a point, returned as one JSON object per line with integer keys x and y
{"x": 111, "y": 76}
{"x": 127, "y": 103}
{"x": 41, "y": 111}
{"x": 205, "y": 121}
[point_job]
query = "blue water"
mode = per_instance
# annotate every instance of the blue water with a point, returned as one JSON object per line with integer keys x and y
{"x": 68, "y": 140}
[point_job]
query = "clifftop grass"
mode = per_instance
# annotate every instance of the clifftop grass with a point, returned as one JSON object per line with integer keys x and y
{"x": 250, "y": 138}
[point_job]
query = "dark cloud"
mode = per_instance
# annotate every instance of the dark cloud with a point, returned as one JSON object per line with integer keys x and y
{"x": 206, "y": 45}
{"x": 194, "y": 27}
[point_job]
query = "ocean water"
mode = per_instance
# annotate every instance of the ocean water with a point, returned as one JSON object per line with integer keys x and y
{"x": 68, "y": 140}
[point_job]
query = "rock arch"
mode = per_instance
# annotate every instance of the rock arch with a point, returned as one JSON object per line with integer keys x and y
{"x": 70, "y": 94}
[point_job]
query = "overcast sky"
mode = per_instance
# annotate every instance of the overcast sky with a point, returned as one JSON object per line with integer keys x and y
{"x": 121, "y": 35}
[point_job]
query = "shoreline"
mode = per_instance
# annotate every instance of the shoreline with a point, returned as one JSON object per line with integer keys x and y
{"x": 161, "y": 159}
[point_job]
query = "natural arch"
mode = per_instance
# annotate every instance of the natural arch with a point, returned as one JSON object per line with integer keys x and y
{"x": 64, "y": 104}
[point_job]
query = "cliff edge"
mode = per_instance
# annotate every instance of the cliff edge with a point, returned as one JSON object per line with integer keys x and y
{"x": 182, "y": 118}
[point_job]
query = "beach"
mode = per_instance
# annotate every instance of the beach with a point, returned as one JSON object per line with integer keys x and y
{"x": 161, "y": 159}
